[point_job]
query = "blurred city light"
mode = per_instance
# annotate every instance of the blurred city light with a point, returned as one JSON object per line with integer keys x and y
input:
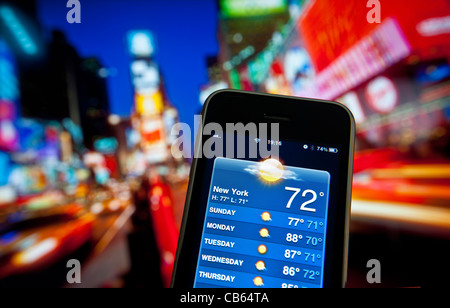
{"x": 141, "y": 43}
{"x": 18, "y": 30}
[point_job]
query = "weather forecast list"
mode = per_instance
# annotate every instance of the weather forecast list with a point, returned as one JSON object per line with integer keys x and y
{"x": 265, "y": 226}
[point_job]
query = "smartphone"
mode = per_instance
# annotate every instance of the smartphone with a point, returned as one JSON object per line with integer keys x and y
{"x": 268, "y": 200}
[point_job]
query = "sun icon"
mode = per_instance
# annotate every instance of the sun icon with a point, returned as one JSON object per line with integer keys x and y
{"x": 271, "y": 170}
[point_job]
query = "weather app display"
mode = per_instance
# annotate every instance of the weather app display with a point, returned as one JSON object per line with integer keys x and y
{"x": 265, "y": 226}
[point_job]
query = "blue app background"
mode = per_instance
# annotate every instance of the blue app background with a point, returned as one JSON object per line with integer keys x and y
{"x": 257, "y": 233}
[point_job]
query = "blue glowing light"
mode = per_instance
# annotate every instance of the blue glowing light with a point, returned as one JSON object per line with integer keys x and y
{"x": 18, "y": 30}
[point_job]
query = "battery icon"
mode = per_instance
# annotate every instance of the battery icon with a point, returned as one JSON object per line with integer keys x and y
{"x": 332, "y": 150}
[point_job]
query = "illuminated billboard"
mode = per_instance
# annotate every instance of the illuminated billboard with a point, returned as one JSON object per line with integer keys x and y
{"x": 330, "y": 29}
{"x": 248, "y": 8}
{"x": 153, "y": 139}
{"x": 380, "y": 49}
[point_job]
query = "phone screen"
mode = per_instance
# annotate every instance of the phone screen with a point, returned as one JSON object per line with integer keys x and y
{"x": 266, "y": 220}
{"x": 268, "y": 203}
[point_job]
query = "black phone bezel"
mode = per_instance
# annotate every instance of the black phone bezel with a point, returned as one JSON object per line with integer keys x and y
{"x": 316, "y": 121}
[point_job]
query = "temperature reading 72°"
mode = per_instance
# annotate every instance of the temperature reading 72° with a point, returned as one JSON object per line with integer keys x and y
{"x": 308, "y": 205}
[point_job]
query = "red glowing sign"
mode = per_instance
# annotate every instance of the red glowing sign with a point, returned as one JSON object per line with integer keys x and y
{"x": 379, "y": 50}
{"x": 330, "y": 29}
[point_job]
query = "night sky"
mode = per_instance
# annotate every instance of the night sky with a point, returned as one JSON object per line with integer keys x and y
{"x": 186, "y": 32}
